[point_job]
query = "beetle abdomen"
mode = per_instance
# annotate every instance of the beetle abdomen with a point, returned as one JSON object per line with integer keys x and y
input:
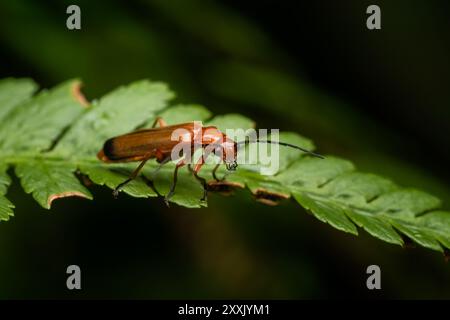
{"x": 109, "y": 149}
{"x": 142, "y": 144}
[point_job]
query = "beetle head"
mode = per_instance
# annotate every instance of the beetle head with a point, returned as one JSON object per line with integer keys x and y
{"x": 229, "y": 153}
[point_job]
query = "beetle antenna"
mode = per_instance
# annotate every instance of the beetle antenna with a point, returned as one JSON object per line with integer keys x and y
{"x": 281, "y": 144}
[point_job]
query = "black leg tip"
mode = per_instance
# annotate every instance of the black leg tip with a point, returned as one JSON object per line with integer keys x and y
{"x": 205, "y": 195}
{"x": 166, "y": 201}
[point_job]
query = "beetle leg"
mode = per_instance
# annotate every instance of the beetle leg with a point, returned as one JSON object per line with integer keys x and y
{"x": 174, "y": 184}
{"x": 161, "y": 163}
{"x": 133, "y": 175}
{"x": 150, "y": 182}
{"x": 195, "y": 171}
{"x": 215, "y": 175}
{"x": 204, "y": 184}
{"x": 159, "y": 121}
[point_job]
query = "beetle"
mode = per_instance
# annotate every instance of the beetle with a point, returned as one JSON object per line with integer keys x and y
{"x": 158, "y": 143}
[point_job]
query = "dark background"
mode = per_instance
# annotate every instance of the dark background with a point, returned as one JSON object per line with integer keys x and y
{"x": 379, "y": 98}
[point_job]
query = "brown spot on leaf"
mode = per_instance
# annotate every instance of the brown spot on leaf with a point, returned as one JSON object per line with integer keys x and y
{"x": 408, "y": 243}
{"x": 270, "y": 198}
{"x": 446, "y": 255}
{"x": 85, "y": 179}
{"x": 267, "y": 202}
{"x": 78, "y": 95}
{"x": 224, "y": 187}
{"x": 64, "y": 195}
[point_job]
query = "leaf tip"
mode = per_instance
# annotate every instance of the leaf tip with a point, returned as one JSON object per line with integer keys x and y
{"x": 65, "y": 195}
{"x": 78, "y": 95}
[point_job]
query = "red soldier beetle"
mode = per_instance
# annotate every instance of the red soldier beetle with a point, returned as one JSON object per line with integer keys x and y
{"x": 158, "y": 143}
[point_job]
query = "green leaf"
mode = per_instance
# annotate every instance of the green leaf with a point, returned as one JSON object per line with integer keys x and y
{"x": 5, "y": 209}
{"x": 5, "y": 205}
{"x": 106, "y": 177}
{"x": 5, "y": 180}
{"x": 438, "y": 224}
{"x": 48, "y": 181}
{"x": 184, "y": 113}
{"x": 231, "y": 121}
{"x": 326, "y": 212}
{"x": 41, "y": 120}
{"x": 188, "y": 192}
{"x": 374, "y": 225}
{"x": 118, "y": 112}
{"x": 14, "y": 92}
{"x": 405, "y": 204}
{"x": 61, "y": 133}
